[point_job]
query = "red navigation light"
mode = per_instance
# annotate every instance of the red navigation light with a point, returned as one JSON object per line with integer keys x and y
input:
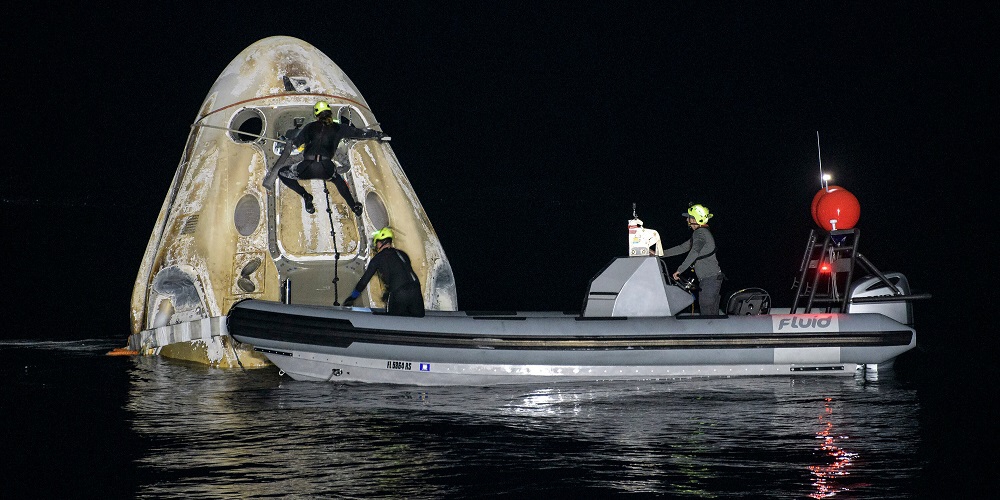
{"x": 825, "y": 268}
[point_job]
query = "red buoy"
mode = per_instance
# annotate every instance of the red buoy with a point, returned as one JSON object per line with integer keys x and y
{"x": 815, "y": 203}
{"x": 837, "y": 210}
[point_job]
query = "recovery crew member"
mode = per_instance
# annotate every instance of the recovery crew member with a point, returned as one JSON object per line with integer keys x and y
{"x": 701, "y": 255}
{"x": 320, "y": 140}
{"x": 394, "y": 268}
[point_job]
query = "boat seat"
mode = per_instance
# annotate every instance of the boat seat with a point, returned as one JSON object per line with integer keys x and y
{"x": 749, "y": 302}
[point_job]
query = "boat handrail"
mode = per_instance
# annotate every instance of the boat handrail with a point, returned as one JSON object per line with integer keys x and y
{"x": 890, "y": 298}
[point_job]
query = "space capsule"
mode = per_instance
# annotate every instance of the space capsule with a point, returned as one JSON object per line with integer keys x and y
{"x": 228, "y": 231}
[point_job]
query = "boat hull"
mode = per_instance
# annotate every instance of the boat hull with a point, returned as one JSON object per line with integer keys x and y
{"x": 455, "y": 348}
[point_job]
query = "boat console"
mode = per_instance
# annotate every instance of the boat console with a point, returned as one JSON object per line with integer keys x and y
{"x": 632, "y": 287}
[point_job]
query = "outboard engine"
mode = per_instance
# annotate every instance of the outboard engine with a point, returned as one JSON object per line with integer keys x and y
{"x": 871, "y": 286}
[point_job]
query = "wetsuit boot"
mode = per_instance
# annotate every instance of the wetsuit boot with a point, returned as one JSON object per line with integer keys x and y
{"x": 345, "y": 193}
{"x": 308, "y": 199}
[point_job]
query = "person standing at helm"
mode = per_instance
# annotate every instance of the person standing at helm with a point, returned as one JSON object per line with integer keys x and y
{"x": 700, "y": 251}
{"x": 394, "y": 268}
{"x": 319, "y": 141}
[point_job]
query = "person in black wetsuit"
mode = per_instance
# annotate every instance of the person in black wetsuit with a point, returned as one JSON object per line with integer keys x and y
{"x": 394, "y": 268}
{"x": 320, "y": 139}
{"x": 700, "y": 254}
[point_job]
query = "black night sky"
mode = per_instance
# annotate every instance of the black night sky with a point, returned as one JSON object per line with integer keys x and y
{"x": 528, "y": 130}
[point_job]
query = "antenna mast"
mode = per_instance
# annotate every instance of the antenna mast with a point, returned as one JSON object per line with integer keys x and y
{"x": 819, "y": 153}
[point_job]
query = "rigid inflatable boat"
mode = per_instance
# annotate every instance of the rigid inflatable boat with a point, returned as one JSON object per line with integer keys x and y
{"x": 632, "y": 326}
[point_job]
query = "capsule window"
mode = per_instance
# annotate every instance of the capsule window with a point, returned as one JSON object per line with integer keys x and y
{"x": 246, "y": 217}
{"x": 376, "y": 210}
{"x": 247, "y": 125}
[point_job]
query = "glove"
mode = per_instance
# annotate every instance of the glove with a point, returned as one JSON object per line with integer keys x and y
{"x": 351, "y": 298}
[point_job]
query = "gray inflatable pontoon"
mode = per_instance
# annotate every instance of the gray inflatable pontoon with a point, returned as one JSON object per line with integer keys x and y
{"x": 630, "y": 329}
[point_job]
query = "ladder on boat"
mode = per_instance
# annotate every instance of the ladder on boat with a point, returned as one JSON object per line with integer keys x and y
{"x": 827, "y": 271}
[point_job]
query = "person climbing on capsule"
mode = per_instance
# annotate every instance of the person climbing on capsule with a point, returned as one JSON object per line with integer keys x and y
{"x": 700, "y": 249}
{"x": 318, "y": 141}
{"x": 394, "y": 268}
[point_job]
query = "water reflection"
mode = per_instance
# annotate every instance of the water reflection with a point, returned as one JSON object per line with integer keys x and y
{"x": 827, "y": 474}
{"x": 225, "y": 433}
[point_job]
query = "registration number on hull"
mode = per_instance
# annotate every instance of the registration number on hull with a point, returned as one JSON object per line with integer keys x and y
{"x": 399, "y": 365}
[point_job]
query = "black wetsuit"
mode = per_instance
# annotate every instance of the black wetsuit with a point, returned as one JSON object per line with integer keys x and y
{"x": 321, "y": 140}
{"x": 700, "y": 251}
{"x": 394, "y": 268}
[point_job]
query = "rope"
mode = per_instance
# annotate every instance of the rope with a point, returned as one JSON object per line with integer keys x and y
{"x": 232, "y": 344}
{"x": 336, "y": 252}
{"x": 258, "y": 136}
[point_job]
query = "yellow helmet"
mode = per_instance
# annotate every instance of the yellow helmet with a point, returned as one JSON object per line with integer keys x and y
{"x": 699, "y": 213}
{"x": 322, "y": 106}
{"x": 382, "y": 234}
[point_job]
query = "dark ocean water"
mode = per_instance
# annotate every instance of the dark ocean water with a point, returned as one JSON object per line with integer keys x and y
{"x": 78, "y": 423}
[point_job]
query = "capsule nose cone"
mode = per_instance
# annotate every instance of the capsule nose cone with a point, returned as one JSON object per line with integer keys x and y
{"x": 277, "y": 65}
